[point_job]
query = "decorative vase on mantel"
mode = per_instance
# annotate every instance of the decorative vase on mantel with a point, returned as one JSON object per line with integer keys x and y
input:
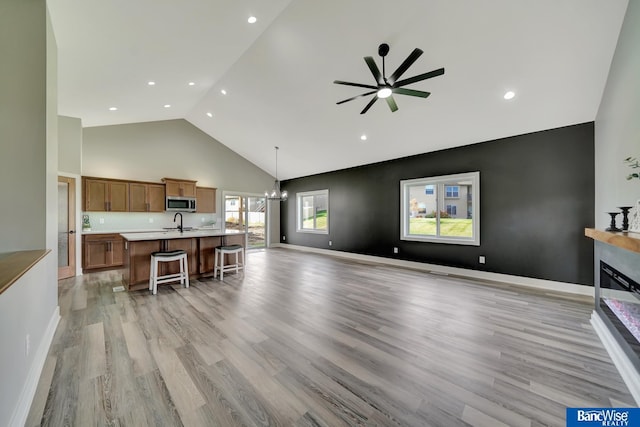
{"x": 634, "y": 222}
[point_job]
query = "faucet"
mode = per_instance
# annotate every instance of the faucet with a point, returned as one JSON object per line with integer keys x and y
{"x": 174, "y": 220}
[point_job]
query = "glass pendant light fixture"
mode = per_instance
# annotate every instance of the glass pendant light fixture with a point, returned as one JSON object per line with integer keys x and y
{"x": 275, "y": 193}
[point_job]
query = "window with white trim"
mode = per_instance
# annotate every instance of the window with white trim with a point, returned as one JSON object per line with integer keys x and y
{"x": 444, "y": 209}
{"x": 313, "y": 212}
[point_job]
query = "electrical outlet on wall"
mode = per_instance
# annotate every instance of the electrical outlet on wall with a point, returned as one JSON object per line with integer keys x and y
{"x": 150, "y": 220}
{"x": 101, "y": 220}
{"x": 395, "y": 250}
{"x": 330, "y": 242}
{"x": 481, "y": 259}
{"x": 284, "y": 238}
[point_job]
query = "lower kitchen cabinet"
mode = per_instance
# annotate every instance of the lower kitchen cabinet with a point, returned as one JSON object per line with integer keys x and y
{"x": 190, "y": 246}
{"x": 206, "y": 253}
{"x": 138, "y": 263}
{"x": 102, "y": 251}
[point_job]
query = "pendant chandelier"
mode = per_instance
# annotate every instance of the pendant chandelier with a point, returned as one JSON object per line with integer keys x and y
{"x": 275, "y": 193}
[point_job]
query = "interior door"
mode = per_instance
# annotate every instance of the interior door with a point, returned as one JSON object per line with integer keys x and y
{"x": 66, "y": 227}
{"x": 248, "y": 214}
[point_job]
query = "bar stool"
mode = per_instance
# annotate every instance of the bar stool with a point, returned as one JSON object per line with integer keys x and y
{"x": 157, "y": 258}
{"x": 220, "y": 252}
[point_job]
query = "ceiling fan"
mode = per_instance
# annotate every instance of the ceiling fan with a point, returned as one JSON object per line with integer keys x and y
{"x": 386, "y": 87}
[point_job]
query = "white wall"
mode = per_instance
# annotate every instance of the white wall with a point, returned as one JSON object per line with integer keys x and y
{"x": 617, "y": 125}
{"x": 69, "y": 145}
{"x": 28, "y": 168}
{"x": 70, "y": 165}
{"x": 22, "y": 125}
{"x": 172, "y": 148}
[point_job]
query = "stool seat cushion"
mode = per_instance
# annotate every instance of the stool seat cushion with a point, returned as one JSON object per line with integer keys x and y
{"x": 230, "y": 247}
{"x": 169, "y": 253}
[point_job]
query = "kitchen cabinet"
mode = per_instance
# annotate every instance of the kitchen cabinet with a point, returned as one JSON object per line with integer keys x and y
{"x": 104, "y": 195}
{"x": 205, "y": 200}
{"x": 180, "y": 187}
{"x": 138, "y": 263}
{"x": 102, "y": 251}
{"x": 146, "y": 197}
{"x": 206, "y": 250}
{"x": 190, "y": 246}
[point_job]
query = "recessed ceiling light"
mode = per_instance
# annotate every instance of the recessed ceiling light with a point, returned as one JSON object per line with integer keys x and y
{"x": 509, "y": 95}
{"x": 167, "y": 105}
{"x": 363, "y": 137}
{"x": 113, "y": 108}
{"x": 151, "y": 83}
{"x": 192, "y": 83}
{"x": 224, "y": 92}
{"x": 252, "y": 20}
{"x": 209, "y": 114}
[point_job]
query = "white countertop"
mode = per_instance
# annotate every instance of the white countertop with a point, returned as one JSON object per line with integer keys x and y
{"x": 165, "y": 235}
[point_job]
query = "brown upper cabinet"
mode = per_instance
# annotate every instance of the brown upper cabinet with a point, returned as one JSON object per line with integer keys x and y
{"x": 146, "y": 197}
{"x": 205, "y": 200}
{"x": 180, "y": 187}
{"x": 104, "y": 195}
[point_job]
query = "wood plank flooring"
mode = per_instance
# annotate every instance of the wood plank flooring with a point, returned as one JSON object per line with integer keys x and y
{"x": 302, "y": 339}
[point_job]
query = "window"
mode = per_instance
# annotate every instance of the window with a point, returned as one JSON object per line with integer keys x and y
{"x": 451, "y": 191}
{"x": 313, "y": 211}
{"x": 444, "y": 209}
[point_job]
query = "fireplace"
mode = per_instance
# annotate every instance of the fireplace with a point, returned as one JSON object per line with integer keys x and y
{"x": 618, "y": 302}
{"x": 616, "y": 317}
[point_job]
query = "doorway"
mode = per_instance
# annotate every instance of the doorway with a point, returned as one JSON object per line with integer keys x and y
{"x": 246, "y": 213}
{"x": 66, "y": 227}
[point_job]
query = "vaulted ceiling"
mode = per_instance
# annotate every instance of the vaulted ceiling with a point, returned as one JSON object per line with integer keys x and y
{"x": 278, "y": 72}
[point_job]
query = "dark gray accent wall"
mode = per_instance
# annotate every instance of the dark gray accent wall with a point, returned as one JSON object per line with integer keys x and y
{"x": 536, "y": 198}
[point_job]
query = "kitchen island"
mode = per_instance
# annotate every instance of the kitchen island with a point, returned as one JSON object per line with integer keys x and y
{"x": 199, "y": 245}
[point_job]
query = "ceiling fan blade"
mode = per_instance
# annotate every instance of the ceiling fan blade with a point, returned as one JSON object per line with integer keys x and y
{"x": 373, "y": 100}
{"x": 340, "y": 82}
{"x": 355, "y": 97}
{"x": 410, "y": 92}
{"x": 430, "y": 74}
{"x": 405, "y": 65}
{"x": 392, "y": 104}
{"x": 374, "y": 69}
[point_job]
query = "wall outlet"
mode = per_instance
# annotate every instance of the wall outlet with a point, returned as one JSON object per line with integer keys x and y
{"x": 202, "y": 219}
{"x": 330, "y": 242}
{"x": 101, "y": 220}
{"x": 481, "y": 259}
{"x": 150, "y": 220}
{"x": 284, "y": 238}
{"x": 395, "y": 250}
{"x": 27, "y": 345}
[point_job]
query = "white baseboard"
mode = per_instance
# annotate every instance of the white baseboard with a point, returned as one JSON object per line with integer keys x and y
{"x": 21, "y": 412}
{"x": 549, "y": 285}
{"x": 628, "y": 372}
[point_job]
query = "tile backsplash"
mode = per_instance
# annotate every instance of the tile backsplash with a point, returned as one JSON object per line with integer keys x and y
{"x": 129, "y": 221}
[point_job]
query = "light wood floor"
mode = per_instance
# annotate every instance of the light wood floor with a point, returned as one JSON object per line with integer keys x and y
{"x": 309, "y": 340}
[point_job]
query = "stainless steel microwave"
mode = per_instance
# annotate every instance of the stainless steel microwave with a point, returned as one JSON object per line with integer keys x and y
{"x": 180, "y": 204}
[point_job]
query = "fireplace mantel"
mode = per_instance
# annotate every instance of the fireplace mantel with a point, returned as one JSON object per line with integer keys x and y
{"x": 628, "y": 241}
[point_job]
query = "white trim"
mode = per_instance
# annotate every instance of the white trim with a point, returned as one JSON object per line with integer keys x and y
{"x": 441, "y": 182}
{"x": 550, "y": 285}
{"x": 627, "y": 371}
{"x": 21, "y": 412}
{"x": 299, "y": 197}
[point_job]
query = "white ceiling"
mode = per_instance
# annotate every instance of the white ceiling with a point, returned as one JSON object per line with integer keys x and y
{"x": 278, "y": 72}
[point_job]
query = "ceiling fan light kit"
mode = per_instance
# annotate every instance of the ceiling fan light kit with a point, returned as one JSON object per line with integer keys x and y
{"x": 387, "y": 86}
